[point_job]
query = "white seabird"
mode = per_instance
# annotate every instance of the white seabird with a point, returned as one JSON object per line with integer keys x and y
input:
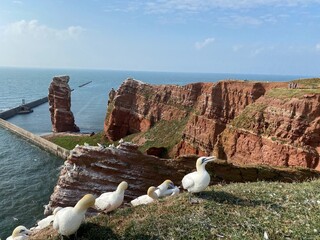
{"x": 199, "y": 180}
{"x": 145, "y": 199}
{"x": 111, "y": 145}
{"x": 48, "y": 220}
{"x": 20, "y": 233}
{"x": 167, "y": 188}
{"x": 68, "y": 220}
{"x": 109, "y": 201}
{"x": 100, "y": 146}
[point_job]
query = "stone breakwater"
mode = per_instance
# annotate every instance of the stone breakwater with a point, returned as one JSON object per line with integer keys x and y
{"x": 36, "y": 140}
{"x": 14, "y": 111}
{"x": 239, "y": 121}
{"x": 60, "y": 105}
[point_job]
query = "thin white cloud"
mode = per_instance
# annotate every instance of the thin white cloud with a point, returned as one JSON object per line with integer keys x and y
{"x": 124, "y": 7}
{"x": 17, "y": 2}
{"x": 164, "y": 6}
{"x": 241, "y": 20}
{"x": 318, "y": 47}
{"x": 237, "y": 48}
{"x": 204, "y": 43}
{"x": 33, "y": 29}
{"x": 257, "y": 50}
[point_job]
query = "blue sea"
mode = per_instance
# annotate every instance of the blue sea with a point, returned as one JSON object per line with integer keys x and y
{"x": 27, "y": 173}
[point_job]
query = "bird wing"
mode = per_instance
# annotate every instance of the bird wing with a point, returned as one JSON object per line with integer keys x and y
{"x": 103, "y": 201}
{"x": 187, "y": 181}
{"x": 158, "y": 192}
{"x": 144, "y": 199}
{"x": 170, "y": 192}
{"x": 175, "y": 191}
{"x": 57, "y": 216}
{"x": 45, "y": 222}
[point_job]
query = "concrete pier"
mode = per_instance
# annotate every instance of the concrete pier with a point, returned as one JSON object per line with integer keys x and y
{"x": 14, "y": 111}
{"x": 36, "y": 140}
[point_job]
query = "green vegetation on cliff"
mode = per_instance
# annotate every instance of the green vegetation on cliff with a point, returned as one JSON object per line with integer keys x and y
{"x": 235, "y": 211}
{"x": 70, "y": 141}
{"x": 286, "y": 93}
{"x": 163, "y": 134}
{"x": 309, "y": 82}
{"x": 249, "y": 115}
{"x": 305, "y": 86}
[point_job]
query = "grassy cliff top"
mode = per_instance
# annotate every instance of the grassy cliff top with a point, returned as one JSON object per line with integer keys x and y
{"x": 287, "y": 93}
{"x": 235, "y": 211}
{"x": 309, "y": 82}
{"x": 69, "y": 141}
{"x": 304, "y": 86}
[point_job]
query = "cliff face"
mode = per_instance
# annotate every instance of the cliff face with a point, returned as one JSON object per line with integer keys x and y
{"x": 236, "y": 120}
{"x": 60, "y": 105}
{"x": 137, "y": 106}
{"x": 96, "y": 170}
{"x": 282, "y": 132}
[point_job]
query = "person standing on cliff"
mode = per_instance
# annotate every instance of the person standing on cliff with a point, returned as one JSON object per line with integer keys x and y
{"x": 112, "y": 94}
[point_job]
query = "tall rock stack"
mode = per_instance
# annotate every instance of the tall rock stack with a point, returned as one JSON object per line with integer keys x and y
{"x": 60, "y": 105}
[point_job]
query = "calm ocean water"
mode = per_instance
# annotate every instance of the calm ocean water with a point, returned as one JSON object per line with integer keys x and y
{"x": 27, "y": 173}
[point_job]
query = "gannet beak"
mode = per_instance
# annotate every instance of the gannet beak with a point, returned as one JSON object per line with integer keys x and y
{"x": 210, "y": 159}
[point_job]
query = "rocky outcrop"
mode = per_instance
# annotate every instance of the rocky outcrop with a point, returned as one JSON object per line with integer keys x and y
{"x": 60, "y": 105}
{"x": 137, "y": 106}
{"x": 97, "y": 170}
{"x": 273, "y": 130}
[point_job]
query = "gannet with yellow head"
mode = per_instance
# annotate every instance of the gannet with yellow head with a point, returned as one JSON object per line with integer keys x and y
{"x": 109, "y": 201}
{"x": 20, "y": 233}
{"x": 68, "y": 220}
{"x": 145, "y": 199}
{"x": 199, "y": 180}
{"x": 167, "y": 188}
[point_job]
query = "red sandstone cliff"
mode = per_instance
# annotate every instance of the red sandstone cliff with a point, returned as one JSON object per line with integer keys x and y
{"x": 91, "y": 169}
{"x": 282, "y": 133}
{"x": 60, "y": 105}
{"x": 273, "y": 131}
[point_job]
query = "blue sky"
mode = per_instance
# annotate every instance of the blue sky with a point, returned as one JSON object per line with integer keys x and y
{"x": 233, "y": 36}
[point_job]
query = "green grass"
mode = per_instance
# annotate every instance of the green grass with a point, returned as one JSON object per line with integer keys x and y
{"x": 309, "y": 82}
{"x": 286, "y": 93}
{"x": 69, "y": 142}
{"x": 249, "y": 115}
{"x": 163, "y": 134}
{"x": 305, "y": 86}
{"x": 235, "y": 211}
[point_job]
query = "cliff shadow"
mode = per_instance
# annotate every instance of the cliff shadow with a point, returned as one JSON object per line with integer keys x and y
{"x": 228, "y": 198}
{"x": 95, "y": 231}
